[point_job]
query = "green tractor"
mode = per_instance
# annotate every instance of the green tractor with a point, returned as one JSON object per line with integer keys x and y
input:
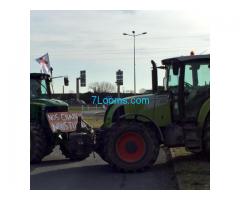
{"x": 42, "y": 140}
{"x": 178, "y": 115}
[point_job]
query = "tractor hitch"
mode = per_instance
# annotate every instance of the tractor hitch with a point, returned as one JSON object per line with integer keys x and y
{"x": 79, "y": 143}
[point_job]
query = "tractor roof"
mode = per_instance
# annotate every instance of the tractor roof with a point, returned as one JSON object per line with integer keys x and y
{"x": 186, "y": 59}
{"x": 39, "y": 76}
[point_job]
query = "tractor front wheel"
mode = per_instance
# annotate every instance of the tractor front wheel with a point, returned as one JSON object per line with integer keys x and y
{"x": 38, "y": 143}
{"x": 131, "y": 146}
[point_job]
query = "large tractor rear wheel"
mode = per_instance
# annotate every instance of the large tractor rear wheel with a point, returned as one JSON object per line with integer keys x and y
{"x": 38, "y": 143}
{"x": 131, "y": 146}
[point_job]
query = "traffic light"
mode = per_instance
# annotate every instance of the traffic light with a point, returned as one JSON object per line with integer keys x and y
{"x": 66, "y": 81}
{"x": 119, "y": 76}
{"x": 83, "y": 78}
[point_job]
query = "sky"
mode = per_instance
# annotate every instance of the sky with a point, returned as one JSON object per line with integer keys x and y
{"x": 94, "y": 41}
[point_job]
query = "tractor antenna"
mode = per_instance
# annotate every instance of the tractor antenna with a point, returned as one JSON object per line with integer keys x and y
{"x": 203, "y": 51}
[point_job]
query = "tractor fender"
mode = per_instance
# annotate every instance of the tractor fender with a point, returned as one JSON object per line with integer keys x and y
{"x": 138, "y": 117}
{"x": 203, "y": 113}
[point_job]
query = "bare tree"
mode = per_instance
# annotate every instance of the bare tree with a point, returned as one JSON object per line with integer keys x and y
{"x": 93, "y": 86}
{"x": 101, "y": 87}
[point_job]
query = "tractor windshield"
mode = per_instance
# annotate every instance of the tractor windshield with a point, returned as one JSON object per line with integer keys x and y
{"x": 38, "y": 88}
{"x": 195, "y": 75}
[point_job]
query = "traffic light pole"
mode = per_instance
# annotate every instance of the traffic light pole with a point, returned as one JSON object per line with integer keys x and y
{"x": 118, "y": 90}
{"x": 77, "y": 89}
{"x": 82, "y": 78}
{"x": 119, "y": 80}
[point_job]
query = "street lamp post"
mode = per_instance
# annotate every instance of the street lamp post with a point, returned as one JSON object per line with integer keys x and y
{"x": 134, "y": 61}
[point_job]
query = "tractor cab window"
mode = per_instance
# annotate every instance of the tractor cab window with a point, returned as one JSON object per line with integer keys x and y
{"x": 172, "y": 87}
{"x": 172, "y": 78}
{"x": 38, "y": 88}
{"x": 196, "y": 87}
{"x": 196, "y": 75}
{"x": 188, "y": 78}
{"x": 204, "y": 75}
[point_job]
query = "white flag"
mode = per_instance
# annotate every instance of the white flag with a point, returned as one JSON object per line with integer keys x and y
{"x": 45, "y": 64}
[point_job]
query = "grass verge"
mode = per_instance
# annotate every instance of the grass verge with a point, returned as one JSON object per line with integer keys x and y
{"x": 192, "y": 170}
{"x": 94, "y": 122}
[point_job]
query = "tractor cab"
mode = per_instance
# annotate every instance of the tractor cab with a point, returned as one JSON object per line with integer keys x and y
{"x": 187, "y": 81}
{"x": 40, "y": 85}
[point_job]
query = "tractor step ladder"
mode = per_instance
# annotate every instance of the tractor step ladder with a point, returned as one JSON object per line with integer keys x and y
{"x": 191, "y": 137}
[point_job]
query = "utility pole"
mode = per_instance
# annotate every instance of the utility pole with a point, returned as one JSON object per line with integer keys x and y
{"x": 134, "y": 60}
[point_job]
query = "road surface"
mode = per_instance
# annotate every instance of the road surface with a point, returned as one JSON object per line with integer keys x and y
{"x": 56, "y": 172}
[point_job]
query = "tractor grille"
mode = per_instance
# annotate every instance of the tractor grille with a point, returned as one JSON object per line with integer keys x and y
{"x": 57, "y": 109}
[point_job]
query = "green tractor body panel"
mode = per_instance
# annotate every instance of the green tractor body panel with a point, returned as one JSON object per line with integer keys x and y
{"x": 48, "y": 102}
{"x": 109, "y": 115}
{"x": 203, "y": 113}
{"x": 158, "y": 110}
{"x": 38, "y": 107}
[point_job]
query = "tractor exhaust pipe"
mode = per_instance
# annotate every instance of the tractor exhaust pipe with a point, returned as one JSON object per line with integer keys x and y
{"x": 154, "y": 77}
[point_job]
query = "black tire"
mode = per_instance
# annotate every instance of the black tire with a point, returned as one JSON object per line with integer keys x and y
{"x": 100, "y": 149}
{"x": 130, "y": 146}
{"x": 38, "y": 143}
{"x": 206, "y": 137}
{"x": 69, "y": 150}
{"x": 100, "y": 152}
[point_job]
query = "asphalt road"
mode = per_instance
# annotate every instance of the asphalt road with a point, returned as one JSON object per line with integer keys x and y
{"x": 56, "y": 172}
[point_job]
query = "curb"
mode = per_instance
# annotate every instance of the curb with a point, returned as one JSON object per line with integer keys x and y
{"x": 173, "y": 155}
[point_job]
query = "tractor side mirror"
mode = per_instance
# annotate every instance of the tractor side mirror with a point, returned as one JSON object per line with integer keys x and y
{"x": 175, "y": 69}
{"x": 66, "y": 81}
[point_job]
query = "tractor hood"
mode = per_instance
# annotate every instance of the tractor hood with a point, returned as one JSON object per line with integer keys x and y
{"x": 48, "y": 102}
{"x": 154, "y": 106}
{"x": 150, "y": 96}
{"x": 39, "y": 106}
{"x": 126, "y": 106}
{"x": 139, "y": 102}
{"x": 129, "y": 101}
